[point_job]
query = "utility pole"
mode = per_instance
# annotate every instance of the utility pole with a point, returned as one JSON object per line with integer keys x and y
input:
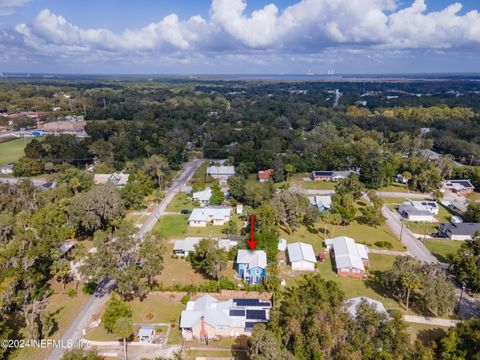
{"x": 471, "y": 160}
{"x": 401, "y": 230}
{"x": 461, "y": 297}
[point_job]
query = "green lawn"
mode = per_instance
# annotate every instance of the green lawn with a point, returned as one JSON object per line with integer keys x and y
{"x": 171, "y": 227}
{"x": 356, "y": 287}
{"x": 361, "y": 233}
{"x": 11, "y": 151}
{"x": 475, "y": 196}
{"x": 318, "y": 185}
{"x": 440, "y": 248}
{"x": 425, "y": 333}
{"x": 397, "y": 200}
{"x": 179, "y": 202}
{"x": 397, "y": 187}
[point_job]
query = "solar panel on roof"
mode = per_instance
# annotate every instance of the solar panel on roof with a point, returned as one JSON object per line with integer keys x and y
{"x": 247, "y": 302}
{"x": 256, "y": 314}
{"x": 237, "y": 312}
{"x": 249, "y": 325}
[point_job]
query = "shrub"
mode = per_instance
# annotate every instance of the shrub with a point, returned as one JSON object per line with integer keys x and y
{"x": 71, "y": 292}
{"x": 384, "y": 244}
{"x": 185, "y": 299}
{"x": 89, "y": 287}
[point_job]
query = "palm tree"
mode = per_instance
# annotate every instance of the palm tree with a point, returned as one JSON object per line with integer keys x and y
{"x": 437, "y": 195}
{"x": 123, "y": 329}
{"x": 410, "y": 282}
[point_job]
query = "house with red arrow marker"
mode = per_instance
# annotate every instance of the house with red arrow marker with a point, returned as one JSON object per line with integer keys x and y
{"x": 251, "y": 265}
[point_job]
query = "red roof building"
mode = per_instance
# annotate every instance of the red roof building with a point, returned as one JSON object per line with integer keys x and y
{"x": 265, "y": 175}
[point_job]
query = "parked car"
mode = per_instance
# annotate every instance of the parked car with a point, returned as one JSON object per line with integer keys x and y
{"x": 186, "y": 211}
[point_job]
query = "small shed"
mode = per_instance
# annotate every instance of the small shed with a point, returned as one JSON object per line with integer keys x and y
{"x": 282, "y": 244}
{"x": 146, "y": 333}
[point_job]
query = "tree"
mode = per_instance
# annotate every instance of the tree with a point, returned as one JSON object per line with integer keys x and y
{"x": 208, "y": 259}
{"x": 332, "y": 219}
{"x": 81, "y": 354}
{"x": 96, "y": 209}
{"x": 289, "y": 169}
{"x": 372, "y": 173}
{"x": 151, "y": 259}
{"x": 376, "y": 200}
{"x": 217, "y": 196}
{"x": 60, "y": 269}
{"x": 290, "y": 209}
{"x": 263, "y": 345}
{"x": 115, "y": 309}
{"x": 156, "y": 166}
{"x": 462, "y": 341}
{"x": 437, "y": 195}
{"x": 409, "y": 282}
{"x": 231, "y": 228}
{"x": 344, "y": 205}
{"x": 350, "y": 185}
{"x": 371, "y": 216}
{"x": 5, "y": 334}
{"x": 473, "y": 213}
{"x": 102, "y": 149}
{"x": 312, "y": 215}
{"x": 237, "y": 187}
{"x": 464, "y": 264}
{"x": 265, "y": 218}
{"x": 407, "y": 176}
{"x": 123, "y": 328}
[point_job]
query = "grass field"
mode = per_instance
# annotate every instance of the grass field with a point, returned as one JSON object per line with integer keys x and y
{"x": 318, "y": 185}
{"x": 425, "y": 333}
{"x": 440, "y": 248}
{"x": 11, "y": 151}
{"x": 179, "y": 202}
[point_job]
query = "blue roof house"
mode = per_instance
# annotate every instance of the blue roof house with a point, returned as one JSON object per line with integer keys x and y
{"x": 251, "y": 265}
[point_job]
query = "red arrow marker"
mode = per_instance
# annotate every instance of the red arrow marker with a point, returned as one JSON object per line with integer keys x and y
{"x": 252, "y": 242}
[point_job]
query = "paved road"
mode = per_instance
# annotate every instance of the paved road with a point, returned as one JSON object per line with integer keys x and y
{"x": 388, "y": 252}
{"x": 379, "y": 193}
{"x": 96, "y": 302}
{"x": 430, "y": 321}
{"x": 413, "y": 245}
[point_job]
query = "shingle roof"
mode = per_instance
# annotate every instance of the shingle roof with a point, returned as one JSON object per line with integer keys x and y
{"x": 204, "y": 195}
{"x": 301, "y": 252}
{"x": 221, "y": 170}
{"x": 465, "y": 229}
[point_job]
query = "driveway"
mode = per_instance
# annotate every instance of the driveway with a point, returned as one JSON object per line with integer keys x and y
{"x": 430, "y": 321}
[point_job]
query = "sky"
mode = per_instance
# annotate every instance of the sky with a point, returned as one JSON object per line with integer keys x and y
{"x": 239, "y": 36}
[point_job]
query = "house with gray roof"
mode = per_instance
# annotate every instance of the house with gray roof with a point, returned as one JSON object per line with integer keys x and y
{"x": 353, "y": 304}
{"x": 208, "y": 318}
{"x": 214, "y": 215}
{"x": 423, "y": 211}
{"x": 203, "y": 197}
{"x": 301, "y": 256}
{"x": 459, "y": 231}
{"x": 221, "y": 173}
{"x": 350, "y": 258}
{"x": 331, "y": 175}
{"x": 322, "y": 202}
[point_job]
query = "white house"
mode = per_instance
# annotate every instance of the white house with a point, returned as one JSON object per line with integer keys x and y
{"x": 221, "y": 173}
{"x": 203, "y": 197}
{"x": 146, "y": 333}
{"x": 186, "y": 246}
{"x": 459, "y": 231}
{"x": 324, "y": 202}
{"x": 215, "y": 215}
{"x": 208, "y": 318}
{"x": 301, "y": 256}
{"x": 239, "y": 209}
{"x": 419, "y": 210}
{"x": 7, "y": 169}
{"x": 350, "y": 258}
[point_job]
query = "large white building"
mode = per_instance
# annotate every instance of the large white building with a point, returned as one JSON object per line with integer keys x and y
{"x": 209, "y": 318}
{"x": 217, "y": 215}
{"x": 423, "y": 211}
{"x": 350, "y": 258}
{"x": 221, "y": 173}
{"x": 301, "y": 256}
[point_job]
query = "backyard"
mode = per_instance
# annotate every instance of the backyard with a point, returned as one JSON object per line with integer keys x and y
{"x": 11, "y": 151}
{"x": 441, "y": 248}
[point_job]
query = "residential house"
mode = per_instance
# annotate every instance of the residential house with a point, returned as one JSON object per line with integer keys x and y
{"x": 350, "y": 258}
{"x": 461, "y": 187}
{"x": 330, "y": 175}
{"x": 324, "y": 202}
{"x": 353, "y": 304}
{"x": 264, "y": 175}
{"x": 251, "y": 265}
{"x": 459, "y": 231}
{"x": 208, "y": 318}
{"x": 301, "y": 256}
{"x": 203, "y": 197}
{"x": 146, "y": 333}
{"x": 434, "y": 156}
{"x": 7, "y": 169}
{"x": 221, "y": 173}
{"x": 423, "y": 211}
{"x": 214, "y": 215}
{"x": 185, "y": 246}
{"x": 118, "y": 179}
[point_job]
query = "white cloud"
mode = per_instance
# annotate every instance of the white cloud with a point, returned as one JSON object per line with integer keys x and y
{"x": 309, "y": 28}
{"x": 7, "y": 7}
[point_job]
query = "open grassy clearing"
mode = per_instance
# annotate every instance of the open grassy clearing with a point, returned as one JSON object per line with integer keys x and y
{"x": 179, "y": 202}
{"x": 425, "y": 333}
{"x": 318, "y": 185}
{"x": 11, "y": 151}
{"x": 65, "y": 309}
{"x": 441, "y": 248}
{"x": 396, "y": 187}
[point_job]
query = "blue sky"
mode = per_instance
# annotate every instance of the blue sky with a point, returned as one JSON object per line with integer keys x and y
{"x": 239, "y": 36}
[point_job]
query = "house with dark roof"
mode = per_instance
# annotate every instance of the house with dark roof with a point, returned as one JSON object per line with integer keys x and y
{"x": 461, "y": 187}
{"x": 423, "y": 211}
{"x": 459, "y": 231}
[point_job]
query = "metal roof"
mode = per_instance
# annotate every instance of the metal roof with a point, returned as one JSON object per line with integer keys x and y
{"x": 221, "y": 170}
{"x": 347, "y": 253}
{"x": 256, "y": 258}
{"x": 352, "y": 305}
{"x": 301, "y": 252}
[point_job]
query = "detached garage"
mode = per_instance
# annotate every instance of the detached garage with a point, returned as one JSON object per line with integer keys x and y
{"x": 301, "y": 256}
